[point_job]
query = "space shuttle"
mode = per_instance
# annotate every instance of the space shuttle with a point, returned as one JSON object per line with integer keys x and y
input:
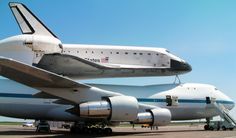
{"x": 40, "y": 47}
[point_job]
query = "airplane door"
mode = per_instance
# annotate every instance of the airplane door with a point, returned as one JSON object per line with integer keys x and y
{"x": 175, "y": 101}
{"x": 168, "y": 100}
{"x": 171, "y": 100}
{"x": 210, "y": 100}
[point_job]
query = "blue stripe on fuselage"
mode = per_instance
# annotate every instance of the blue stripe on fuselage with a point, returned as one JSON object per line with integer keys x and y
{"x": 181, "y": 101}
{"x": 15, "y": 95}
{"x": 151, "y": 100}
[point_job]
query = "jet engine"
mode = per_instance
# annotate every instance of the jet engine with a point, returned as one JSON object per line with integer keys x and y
{"x": 154, "y": 117}
{"x": 117, "y": 108}
{"x": 124, "y": 109}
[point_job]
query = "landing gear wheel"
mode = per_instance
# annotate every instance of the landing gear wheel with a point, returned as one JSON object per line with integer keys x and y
{"x": 211, "y": 128}
{"x": 108, "y": 131}
{"x": 73, "y": 129}
{"x": 99, "y": 131}
{"x": 223, "y": 128}
{"x": 206, "y": 127}
{"x": 231, "y": 128}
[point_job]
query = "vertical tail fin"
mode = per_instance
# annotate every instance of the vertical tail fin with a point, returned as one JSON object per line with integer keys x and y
{"x": 27, "y": 21}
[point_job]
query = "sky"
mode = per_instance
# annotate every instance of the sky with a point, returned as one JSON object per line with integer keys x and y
{"x": 202, "y": 32}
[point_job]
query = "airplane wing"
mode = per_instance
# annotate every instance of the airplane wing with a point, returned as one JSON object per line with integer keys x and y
{"x": 50, "y": 83}
{"x": 33, "y": 76}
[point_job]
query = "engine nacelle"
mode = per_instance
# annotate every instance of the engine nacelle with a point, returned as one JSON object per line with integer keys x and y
{"x": 161, "y": 117}
{"x": 117, "y": 108}
{"x": 32, "y": 46}
{"x": 124, "y": 108}
{"x": 45, "y": 44}
{"x": 155, "y": 117}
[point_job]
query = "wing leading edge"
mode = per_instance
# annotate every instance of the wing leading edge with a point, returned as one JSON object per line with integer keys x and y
{"x": 33, "y": 76}
{"x": 51, "y": 83}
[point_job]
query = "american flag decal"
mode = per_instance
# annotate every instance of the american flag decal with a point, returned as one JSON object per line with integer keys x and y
{"x": 105, "y": 60}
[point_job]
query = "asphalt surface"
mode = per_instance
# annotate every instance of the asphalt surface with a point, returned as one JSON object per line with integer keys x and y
{"x": 195, "y": 131}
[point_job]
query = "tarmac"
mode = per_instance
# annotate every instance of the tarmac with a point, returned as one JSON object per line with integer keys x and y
{"x": 192, "y": 131}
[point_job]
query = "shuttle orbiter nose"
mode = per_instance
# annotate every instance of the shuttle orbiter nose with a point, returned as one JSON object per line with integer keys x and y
{"x": 180, "y": 66}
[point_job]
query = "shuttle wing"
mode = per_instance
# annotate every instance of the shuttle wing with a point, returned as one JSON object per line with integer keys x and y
{"x": 59, "y": 63}
{"x": 71, "y": 66}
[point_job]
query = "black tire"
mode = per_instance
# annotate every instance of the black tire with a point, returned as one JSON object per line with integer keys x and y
{"x": 206, "y": 127}
{"x": 211, "y": 128}
{"x": 231, "y": 128}
{"x": 73, "y": 129}
{"x": 223, "y": 128}
{"x": 108, "y": 131}
{"x": 85, "y": 130}
{"x": 99, "y": 131}
{"x": 90, "y": 131}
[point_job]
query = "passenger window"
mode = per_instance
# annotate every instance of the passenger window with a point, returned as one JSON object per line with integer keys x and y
{"x": 149, "y": 54}
{"x": 117, "y": 52}
{"x": 126, "y": 53}
{"x": 135, "y": 53}
{"x": 140, "y": 53}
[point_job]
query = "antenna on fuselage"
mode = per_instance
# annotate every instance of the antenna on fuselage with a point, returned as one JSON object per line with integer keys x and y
{"x": 177, "y": 79}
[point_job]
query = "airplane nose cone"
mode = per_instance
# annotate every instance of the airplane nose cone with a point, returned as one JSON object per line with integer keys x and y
{"x": 180, "y": 66}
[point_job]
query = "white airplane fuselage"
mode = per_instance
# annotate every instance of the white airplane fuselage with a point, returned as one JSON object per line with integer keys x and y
{"x": 19, "y": 102}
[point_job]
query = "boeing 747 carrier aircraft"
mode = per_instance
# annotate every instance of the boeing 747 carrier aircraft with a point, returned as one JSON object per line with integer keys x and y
{"x": 101, "y": 106}
{"x": 40, "y": 47}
